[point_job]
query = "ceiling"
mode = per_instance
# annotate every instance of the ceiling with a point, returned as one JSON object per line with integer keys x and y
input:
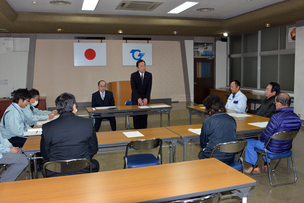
{"x": 232, "y": 16}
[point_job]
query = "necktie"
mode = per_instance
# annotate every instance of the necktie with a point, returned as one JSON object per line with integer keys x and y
{"x": 32, "y": 108}
{"x": 142, "y": 79}
{"x": 102, "y": 96}
{"x": 233, "y": 95}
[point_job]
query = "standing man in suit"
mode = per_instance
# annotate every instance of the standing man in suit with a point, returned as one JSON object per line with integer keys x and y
{"x": 141, "y": 84}
{"x": 103, "y": 97}
{"x": 69, "y": 136}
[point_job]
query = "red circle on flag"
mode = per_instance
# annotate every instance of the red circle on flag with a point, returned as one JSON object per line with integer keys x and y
{"x": 90, "y": 54}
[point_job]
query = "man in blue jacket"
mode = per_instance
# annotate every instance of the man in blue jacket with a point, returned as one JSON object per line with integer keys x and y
{"x": 284, "y": 119}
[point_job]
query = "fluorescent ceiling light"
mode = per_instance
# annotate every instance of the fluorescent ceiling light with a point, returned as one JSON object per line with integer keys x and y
{"x": 89, "y": 5}
{"x": 182, "y": 7}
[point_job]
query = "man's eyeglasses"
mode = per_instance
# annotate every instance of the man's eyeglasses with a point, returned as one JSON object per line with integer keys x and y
{"x": 102, "y": 86}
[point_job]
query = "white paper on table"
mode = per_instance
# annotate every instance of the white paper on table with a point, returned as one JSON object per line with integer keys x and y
{"x": 104, "y": 107}
{"x": 259, "y": 124}
{"x": 33, "y": 131}
{"x": 239, "y": 115}
{"x": 133, "y": 134}
{"x": 203, "y": 107}
{"x": 144, "y": 107}
{"x": 46, "y": 121}
{"x": 195, "y": 130}
{"x": 160, "y": 106}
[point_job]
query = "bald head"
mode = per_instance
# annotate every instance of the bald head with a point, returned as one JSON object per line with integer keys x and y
{"x": 283, "y": 100}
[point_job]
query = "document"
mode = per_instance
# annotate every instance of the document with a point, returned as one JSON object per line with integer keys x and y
{"x": 159, "y": 106}
{"x": 144, "y": 107}
{"x": 133, "y": 134}
{"x": 46, "y": 121}
{"x": 195, "y": 130}
{"x": 104, "y": 107}
{"x": 259, "y": 124}
{"x": 239, "y": 115}
{"x": 203, "y": 107}
{"x": 33, "y": 131}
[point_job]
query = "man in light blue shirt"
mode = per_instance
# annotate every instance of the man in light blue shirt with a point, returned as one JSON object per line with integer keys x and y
{"x": 32, "y": 114}
{"x": 11, "y": 155}
{"x": 13, "y": 126}
{"x": 237, "y": 100}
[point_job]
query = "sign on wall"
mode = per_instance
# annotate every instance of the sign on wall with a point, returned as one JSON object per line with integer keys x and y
{"x": 90, "y": 54}
{"x": 132, "y": 52}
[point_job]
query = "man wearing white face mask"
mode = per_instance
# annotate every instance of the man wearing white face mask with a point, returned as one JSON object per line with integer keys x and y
{"x": 32, "y": 114}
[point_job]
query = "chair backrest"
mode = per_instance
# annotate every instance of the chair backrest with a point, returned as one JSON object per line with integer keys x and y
{"x": 230, "y": 147}
{"x": 146, "y": 144}
{"x": 214, "y": 198}
{"x": 64, "y": 166}
{"x": 285, "y": 135}
{"x": 129, "y": 102}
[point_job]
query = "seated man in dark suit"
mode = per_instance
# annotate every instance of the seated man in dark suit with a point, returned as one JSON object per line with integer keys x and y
{"x": 267, "y": 107}
{"x": 103, "y": 97}
{"x": 69, "y": 136}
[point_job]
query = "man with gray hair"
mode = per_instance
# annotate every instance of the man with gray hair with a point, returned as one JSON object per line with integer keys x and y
{"x": 69, "y": 136}
{"x": 284, "y": 120}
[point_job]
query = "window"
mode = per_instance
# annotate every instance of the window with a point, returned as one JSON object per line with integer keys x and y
{"x": 255, "y": 69}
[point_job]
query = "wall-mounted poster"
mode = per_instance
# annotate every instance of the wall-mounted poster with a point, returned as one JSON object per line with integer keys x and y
{"x": 291, "y": 34}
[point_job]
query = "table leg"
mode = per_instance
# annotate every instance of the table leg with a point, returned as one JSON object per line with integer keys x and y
{"x": 161, "y": 118}
{"x": 169, "y": 111}
{"x": 190, "y": 111}
{"x": 242, "y": 193}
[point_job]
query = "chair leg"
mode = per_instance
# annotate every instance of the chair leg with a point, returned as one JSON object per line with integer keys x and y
{"x": 294, "y": 171}
{"x": 276, "y": 165}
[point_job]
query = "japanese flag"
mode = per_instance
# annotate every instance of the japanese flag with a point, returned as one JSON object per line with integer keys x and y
{"x": 90, "y": 54}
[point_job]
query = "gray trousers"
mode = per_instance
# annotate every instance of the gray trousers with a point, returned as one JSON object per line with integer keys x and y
{"x": 18, "y": 163}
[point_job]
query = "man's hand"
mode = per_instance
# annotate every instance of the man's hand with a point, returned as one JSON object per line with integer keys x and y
{"x": 145, "y": 102}
{"x": 51, "y": 116}
{"x": 140, "y": 102}
{"x": 54, "y": 112}
{"x": 15, "y": 150}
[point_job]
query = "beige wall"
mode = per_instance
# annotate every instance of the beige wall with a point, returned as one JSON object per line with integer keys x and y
{"x": 55, "y": 73}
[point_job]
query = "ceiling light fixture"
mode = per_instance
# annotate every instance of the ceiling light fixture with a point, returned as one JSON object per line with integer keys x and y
{"x": 175, "y": 32}
{"x": 182, "y": 7}
{"x": 205, "y": 9}
{"x": 120, "y": 31}
{"x": 267, "y": 25}
{"x": 89, "y": 5}
{"x": 60, "y": 2}
{"x": 225, "y": 34}
{"x": 59, "y": 30}
{"x": 34, "y": 2}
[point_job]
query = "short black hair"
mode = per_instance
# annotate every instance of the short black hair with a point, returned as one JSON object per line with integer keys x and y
{"x": 34, "y": 93}
{"x": 237, "y": 83}
{"x": 65, "y": 103}
{"x": 275, "y": 87}
{"x": 139, "y": 61}
{"x": 284, "y": 99}
{"x": 214, "y": 103}
{"x": 101, "y": 81}
{"x": 22, "y": 94}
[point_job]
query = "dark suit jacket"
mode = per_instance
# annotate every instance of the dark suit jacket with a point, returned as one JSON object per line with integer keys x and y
{"x": 68, "y": 137}
{"x": 108, "y": 100}
{"x": 140, "y": 90}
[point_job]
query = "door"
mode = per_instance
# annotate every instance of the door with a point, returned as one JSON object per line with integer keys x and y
{"x": 203, "y": 78}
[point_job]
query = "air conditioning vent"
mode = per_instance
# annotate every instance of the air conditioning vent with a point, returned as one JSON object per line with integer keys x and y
{"x": 138, "y": 5}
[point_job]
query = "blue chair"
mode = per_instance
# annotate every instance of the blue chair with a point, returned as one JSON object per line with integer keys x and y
{"x": 146, "y": 159}
{"x": 127, "y": 103}
{"x": 237, "y": 147}
{"x": 284, "y": 136}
